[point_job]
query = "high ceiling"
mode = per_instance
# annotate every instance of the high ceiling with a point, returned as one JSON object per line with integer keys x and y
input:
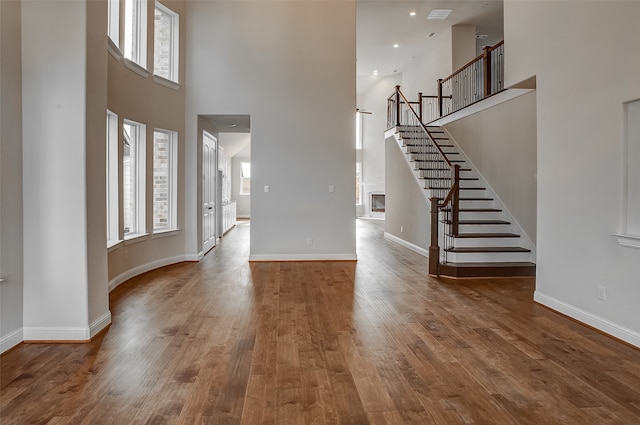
{"x": 380, "y": 24}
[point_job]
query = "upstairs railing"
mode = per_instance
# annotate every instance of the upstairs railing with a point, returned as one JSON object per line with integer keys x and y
{"x": 441, "y": 176}
{"x": 477, "y": 80}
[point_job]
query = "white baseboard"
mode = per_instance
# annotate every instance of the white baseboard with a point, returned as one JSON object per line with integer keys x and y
{"x": 67, "y": 334}
{"x": 303, "y": 257}
{"x": 10, "y": 340}
{"x": 123, "y": 277}
{"x": 625, "y": 334}
{"x": 194, "y": 257}
{"x": 71, "y": 333}
{"x": 100, "y": 323}
{"x": 412, "y": 247}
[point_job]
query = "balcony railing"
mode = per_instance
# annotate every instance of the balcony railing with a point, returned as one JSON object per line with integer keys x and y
{"x": 477, "y": 80}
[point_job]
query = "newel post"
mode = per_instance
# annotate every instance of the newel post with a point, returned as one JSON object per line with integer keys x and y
{"x": 434, "y": 249}
{"x": 455, "y": 201}
{"x": 397, "y": 105}
{"x": 440, "y": 97}
{"x": 486, "y": 59}
{"x": 420, "y": 106}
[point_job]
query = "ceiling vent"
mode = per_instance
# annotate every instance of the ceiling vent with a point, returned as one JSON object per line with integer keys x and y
{"x": 439, "y": 14}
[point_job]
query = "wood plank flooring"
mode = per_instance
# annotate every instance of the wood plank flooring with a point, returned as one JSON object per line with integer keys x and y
{"x": 224, "y": 341}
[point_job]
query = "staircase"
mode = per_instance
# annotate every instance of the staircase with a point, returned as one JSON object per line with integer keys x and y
{"x": 488, "y": 243}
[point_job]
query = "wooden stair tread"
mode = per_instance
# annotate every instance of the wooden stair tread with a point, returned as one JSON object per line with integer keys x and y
{"x": 478, "y": 250}
{"x": 485, "y": 235}
{"x": 448, "y": 178}
{"x": 474, "y": 209}
{"x": 479, "y": 222}
{"x": 462, "y": 188}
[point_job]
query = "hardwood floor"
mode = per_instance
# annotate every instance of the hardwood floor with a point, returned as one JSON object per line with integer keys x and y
{"x": 224, "y": 341}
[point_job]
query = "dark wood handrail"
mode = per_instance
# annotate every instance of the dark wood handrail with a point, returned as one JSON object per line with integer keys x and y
{"x": 424, "y": 127}
{"x": 474, "y": 60}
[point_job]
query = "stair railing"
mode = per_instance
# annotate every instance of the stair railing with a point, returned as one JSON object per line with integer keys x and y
{"x": 443, "y": 181}
{"x": 480, "y": 78}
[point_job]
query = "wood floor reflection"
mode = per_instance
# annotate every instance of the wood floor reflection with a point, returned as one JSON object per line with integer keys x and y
{"x": 224, "y": 341}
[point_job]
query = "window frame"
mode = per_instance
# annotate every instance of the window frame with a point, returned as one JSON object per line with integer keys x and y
{"x": 174, "y": 46}
{"x": 139, "y": 184}
{"x": 172, "y": 185}
{"x": 243, "y": 178}
{"x": 112, "y": 179}
{"x": 140, "y": 36}
{"x": 113, "y": 21}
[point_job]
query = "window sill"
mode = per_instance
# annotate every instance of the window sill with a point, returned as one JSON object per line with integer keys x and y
{"x": 165, "y": 233}
{"x": 167, "y": 83}
{"x": 138, "y": 69}
{"x": 629, "y": 241}
{"x": 113, "y": 49}
{"x": 133, "y": 239}
{"x": 113, "y": 245}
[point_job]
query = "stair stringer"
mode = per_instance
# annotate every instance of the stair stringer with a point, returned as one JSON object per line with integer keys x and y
{"x": 514, "y": 227}
{"x": 506, "y": 215}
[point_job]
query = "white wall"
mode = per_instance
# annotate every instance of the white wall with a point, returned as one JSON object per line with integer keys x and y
{"x": 243, "y": 202}
{"x": 272, "y": 60}
{"x": 423, "y": 74}
{"x": 373, "y": 128}
{"x": 10, "y": 176}
{"x": 61, "y": 300}
{"x": 144, "y": 100}
{"x": 407, "y": 209}
{"x": 583, "y": 78}
{"x": 500, "y": 142}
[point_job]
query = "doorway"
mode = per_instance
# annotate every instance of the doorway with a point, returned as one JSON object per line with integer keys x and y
{"x": 209, "y": 172}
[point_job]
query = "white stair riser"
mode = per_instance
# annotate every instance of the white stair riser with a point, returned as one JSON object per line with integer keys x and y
{"x": 479, "y": 215}
{"x": 485, "y": 228}
{"x": 476, "y": 204}
{"x": 478, "y": 242}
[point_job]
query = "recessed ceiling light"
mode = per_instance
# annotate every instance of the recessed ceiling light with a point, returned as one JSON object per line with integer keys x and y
{"x": 481, "y": 36}
{"x": 396, "y": 45}
{"x": 412, "y": 13}
{"x": 431, "y": 34}
{"x": 375, "y": 72}
{"x": 439, "y": 13}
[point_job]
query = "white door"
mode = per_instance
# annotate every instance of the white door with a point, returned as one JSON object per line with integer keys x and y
{"x": 209, "y": 169}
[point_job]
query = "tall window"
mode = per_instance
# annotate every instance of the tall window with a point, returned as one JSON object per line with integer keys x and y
{"x": 113, "y": 26}
{"x": 165, "y": 62}
{"x": 135, "y": 31}
{"x": 245, "y": 178}
{"x": 113, "y": 232}
{"x": 358, "y": 183}
{"x": 133, "y": 181}
{"x": 358, "y": 130}
{"x": 164, "y": 180}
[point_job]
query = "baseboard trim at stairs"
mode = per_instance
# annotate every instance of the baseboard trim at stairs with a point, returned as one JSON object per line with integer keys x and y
{"x": 412, "y": 247}
{"x": 506, "y": 269}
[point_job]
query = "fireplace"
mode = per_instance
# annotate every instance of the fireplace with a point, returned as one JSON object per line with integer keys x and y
{"x": 377, "y": 202}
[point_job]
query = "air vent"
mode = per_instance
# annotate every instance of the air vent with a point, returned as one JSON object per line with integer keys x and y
{"x": 439, "y": 14}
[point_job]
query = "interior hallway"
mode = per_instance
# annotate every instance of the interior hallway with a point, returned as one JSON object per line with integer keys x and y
{"x": 372, "y": 342}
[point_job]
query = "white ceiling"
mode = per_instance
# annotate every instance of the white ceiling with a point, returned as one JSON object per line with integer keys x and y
{"x": 381, "y": 24}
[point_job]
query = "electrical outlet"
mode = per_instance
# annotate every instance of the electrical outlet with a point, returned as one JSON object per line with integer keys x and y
{"x": 602, "y": 293}
{"x": 332, "y": 188}
{"x": 401, "y": 229}
{"x": 266, "y": 189}
{"x": 309, "y": 241}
